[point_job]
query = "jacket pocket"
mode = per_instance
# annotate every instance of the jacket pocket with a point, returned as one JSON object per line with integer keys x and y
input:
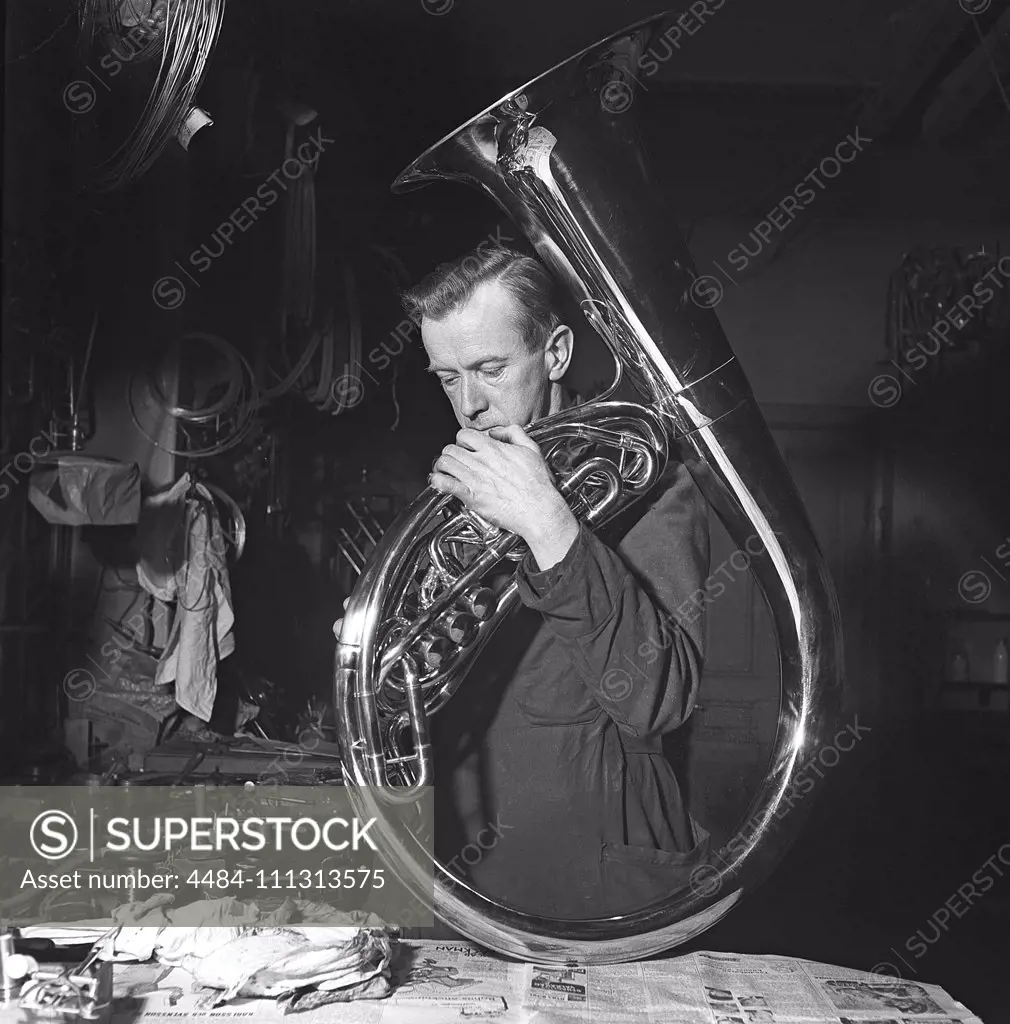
{"x": 635, "y": 876}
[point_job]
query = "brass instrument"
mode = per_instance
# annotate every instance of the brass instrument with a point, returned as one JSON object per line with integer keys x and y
{"x": 566, "y": 166}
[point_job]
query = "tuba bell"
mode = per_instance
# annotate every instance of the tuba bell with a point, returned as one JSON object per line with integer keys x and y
{"x": 561, "y": 158}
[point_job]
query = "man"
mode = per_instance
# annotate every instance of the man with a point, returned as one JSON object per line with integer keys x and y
{"x": 548, "y": 760}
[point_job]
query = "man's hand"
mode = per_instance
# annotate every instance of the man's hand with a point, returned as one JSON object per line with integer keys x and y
{"x": 338, "y": 625}
{"x": 502, "y": 476}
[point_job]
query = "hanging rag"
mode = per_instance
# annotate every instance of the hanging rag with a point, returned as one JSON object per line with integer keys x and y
{"x": 183, "y": 560}
{"x": 84, "y": 490}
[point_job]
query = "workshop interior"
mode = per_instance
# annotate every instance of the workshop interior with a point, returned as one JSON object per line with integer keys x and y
{"x": 216, "y": 420}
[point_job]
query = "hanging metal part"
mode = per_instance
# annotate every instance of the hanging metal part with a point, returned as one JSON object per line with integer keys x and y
{"x": 231, "y": 417}
{"x": 182, "y": 34}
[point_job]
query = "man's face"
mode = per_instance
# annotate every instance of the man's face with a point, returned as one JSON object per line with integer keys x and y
{"x": 488, "y": 373}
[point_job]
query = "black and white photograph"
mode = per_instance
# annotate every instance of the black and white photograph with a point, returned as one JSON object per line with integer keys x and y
{"x": 518, "y": 488}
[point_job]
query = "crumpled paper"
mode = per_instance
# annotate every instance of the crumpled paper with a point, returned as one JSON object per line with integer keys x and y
{"x": 144, "y": 922}
{"x": 157, "y": 912}
{"x": 215, "y": 941}
{"x": 280, "y": 963}
{"x": 152, "y": 929}
{"x": 377, "y": 987}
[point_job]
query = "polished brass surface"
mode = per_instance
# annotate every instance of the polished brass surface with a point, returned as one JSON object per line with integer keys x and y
{"x": 563, "y": 160}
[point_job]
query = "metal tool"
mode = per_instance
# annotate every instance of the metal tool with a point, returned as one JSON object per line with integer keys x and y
{"x": 82, "y": 990}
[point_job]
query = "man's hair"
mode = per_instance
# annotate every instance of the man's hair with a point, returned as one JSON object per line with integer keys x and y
{"x": 451, "y": 285}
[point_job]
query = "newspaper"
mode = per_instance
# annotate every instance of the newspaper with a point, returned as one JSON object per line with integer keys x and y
{"x": 436, "y": 981}
{"x": 729, "y": 988}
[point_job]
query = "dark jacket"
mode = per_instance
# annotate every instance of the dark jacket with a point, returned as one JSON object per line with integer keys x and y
{"x": 552, "y": 791}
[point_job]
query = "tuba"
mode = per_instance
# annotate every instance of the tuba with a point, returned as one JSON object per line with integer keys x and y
{"x": 561, "y": 158}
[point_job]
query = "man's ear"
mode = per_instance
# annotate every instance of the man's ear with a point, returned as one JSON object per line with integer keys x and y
{"x": 558, "y": 353}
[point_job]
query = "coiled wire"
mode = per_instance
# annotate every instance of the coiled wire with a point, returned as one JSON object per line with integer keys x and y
{"x": 241, "y": 402}
{"x": 185, "y": 36}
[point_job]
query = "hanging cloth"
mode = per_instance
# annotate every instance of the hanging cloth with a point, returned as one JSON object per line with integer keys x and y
{"x": 183, "y": 560}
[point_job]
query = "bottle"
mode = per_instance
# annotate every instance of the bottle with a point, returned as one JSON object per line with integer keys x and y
{"x": 8, "y": 983}
{"x": 1000, "y": 660}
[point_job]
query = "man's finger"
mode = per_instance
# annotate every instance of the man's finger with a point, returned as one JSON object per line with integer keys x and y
{"x": 514, "y": 435}
{"x": 454, "y": 462}
{"x": 449, "y": 485}
{"x": 475, "y": 440}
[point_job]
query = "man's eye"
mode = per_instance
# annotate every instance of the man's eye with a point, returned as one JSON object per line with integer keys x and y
{"x": 494, "y": 372}
{"x": 447, "y": 382}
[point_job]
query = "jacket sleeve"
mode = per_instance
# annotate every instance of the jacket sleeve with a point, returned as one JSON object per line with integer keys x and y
{"x": 632, "y": 620}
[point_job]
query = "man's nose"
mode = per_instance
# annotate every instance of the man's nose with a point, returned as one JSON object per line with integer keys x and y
{"x": 472, "y": 399}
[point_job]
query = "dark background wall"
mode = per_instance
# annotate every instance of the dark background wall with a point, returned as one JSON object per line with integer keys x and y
{"x": 750, "y": 101}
